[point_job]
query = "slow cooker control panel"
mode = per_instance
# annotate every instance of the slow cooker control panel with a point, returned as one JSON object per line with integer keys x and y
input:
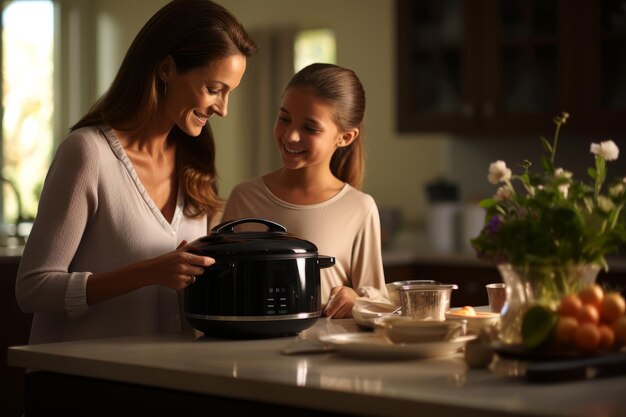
{"x": 277, "y": 301}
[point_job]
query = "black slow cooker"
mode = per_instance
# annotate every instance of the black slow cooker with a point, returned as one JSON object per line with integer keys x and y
{"x": 263, "y": 283}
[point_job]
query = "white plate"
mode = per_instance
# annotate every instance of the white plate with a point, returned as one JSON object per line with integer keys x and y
{"x": 375, "y": 346}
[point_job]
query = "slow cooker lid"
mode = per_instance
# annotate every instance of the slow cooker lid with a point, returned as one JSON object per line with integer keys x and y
{"x": 223, "y": 240}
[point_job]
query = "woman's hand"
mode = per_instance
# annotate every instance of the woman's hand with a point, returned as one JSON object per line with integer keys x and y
{"x": 340, "y": 303}
{"x": 175, "y": 270}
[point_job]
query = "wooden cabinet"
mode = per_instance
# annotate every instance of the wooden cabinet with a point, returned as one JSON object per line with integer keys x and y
{"x": 15, "y": 331}
{"x": 471, "y": 278}
{"x": 493, "y": 66}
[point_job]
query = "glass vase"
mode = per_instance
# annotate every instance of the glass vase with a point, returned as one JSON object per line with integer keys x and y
{"x": 537, "y": 284}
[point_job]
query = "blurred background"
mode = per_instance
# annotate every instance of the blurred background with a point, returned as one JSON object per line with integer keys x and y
{"x": 451, "y": 86}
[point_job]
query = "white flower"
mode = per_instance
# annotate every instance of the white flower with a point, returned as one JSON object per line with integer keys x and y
{"x": 561, "y": 173}
{"x": 563, "y": 188}
{"x": 616, "y": 190}
{"x": 498, "y": 172}
{"x": 607, "y": 150}
{"x": 605, "y": 204}
{"x": 503, "y": 193}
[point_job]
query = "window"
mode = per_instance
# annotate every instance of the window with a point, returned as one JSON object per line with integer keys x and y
{"x": 317, "y": 45}
{"x": 27, "y": 98}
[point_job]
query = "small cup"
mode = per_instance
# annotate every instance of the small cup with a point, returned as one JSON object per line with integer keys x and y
{"x": 392, "y": 288}
{"x": 426, "y": 301}
{"x": 418, "y": 331}
{"x": 497, "y": 295}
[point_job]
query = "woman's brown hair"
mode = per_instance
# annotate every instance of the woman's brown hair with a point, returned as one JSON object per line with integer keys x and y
{"x": 194, "y": 33}
{"x": 342, "y": 90}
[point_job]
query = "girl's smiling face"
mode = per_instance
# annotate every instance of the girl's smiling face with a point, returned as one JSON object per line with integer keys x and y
{"x": 195, "y": 95}
{"x": 305, "y": 130}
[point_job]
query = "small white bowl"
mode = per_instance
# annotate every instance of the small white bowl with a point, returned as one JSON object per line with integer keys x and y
{"x": 481, "y": 320}
{"x": 420, "y": 331}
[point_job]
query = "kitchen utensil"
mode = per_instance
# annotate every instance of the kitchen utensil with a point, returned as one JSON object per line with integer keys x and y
{"x": 263, "y": 283}
{"x": 426, "y": 301}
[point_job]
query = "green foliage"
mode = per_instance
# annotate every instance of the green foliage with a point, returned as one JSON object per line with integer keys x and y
{"x": 549, "y": 218}
{"x": 537, "y": 326}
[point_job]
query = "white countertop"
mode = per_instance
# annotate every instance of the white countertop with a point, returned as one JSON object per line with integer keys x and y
{"x": 256, "y": 370}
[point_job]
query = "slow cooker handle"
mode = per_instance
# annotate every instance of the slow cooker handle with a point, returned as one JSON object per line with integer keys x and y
{"x": 326, "y": 261}
{"x": 229, "y": 226}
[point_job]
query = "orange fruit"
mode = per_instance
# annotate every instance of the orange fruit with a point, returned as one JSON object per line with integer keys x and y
{"x": 612, "y": 307}
{"x": 587, "y": 337}
{"x": 570, "y": 305}
{"x": 607, "y": 336}
{"x": 564, "y": 332}
{"x": 593, "y": 294}
{"x": 588, "y": 314}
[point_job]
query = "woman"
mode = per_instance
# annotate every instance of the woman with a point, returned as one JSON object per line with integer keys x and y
{"x": 316, "y": 193}
{"x": 133, "y": 182}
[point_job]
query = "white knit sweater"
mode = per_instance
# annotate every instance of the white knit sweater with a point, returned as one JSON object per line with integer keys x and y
{"x": 95, "y": 215}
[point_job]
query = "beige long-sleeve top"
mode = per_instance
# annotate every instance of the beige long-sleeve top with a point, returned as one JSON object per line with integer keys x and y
{"x": 347, "y": 226}
{"x": 95, "y": 215}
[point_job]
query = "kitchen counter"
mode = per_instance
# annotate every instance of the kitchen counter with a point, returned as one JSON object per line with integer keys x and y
{"x": 255, "y": 371}
{"x": 11, "y": 254}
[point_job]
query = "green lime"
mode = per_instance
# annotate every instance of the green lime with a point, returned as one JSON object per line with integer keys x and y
{"x": 538, "y": 324}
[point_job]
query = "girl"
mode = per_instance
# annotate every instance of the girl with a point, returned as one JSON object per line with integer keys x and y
{"x": 134, "y": 181}
{"x": 315, "y": 195}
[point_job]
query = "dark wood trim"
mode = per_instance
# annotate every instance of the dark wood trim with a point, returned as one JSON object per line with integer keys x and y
{"x": 15, "y": 331}
{"x": 54, "y": 394}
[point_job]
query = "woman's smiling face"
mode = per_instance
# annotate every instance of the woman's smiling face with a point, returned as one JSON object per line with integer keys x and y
{"x": 305, "y": 130}
{"x": 194, "y": 96}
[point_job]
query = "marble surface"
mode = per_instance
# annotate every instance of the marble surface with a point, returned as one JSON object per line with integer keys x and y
{"x": 257, "y": 370}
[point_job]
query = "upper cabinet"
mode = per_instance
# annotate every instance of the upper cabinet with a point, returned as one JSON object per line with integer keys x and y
{"x": 491, "y": 66}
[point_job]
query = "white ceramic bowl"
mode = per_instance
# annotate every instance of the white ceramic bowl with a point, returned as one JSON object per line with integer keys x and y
{"x": 419, "y": 331}
{"x": 481, "y": 320}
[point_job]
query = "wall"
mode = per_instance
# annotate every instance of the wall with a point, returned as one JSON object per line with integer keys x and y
{"x": 397, "y": 166}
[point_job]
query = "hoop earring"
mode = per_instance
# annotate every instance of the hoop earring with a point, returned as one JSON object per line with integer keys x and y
{"x": 164, "y": 87}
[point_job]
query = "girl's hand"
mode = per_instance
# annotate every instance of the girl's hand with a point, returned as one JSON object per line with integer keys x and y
{"x": 177, "y": 269}
{"x": 340, "y": 303}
